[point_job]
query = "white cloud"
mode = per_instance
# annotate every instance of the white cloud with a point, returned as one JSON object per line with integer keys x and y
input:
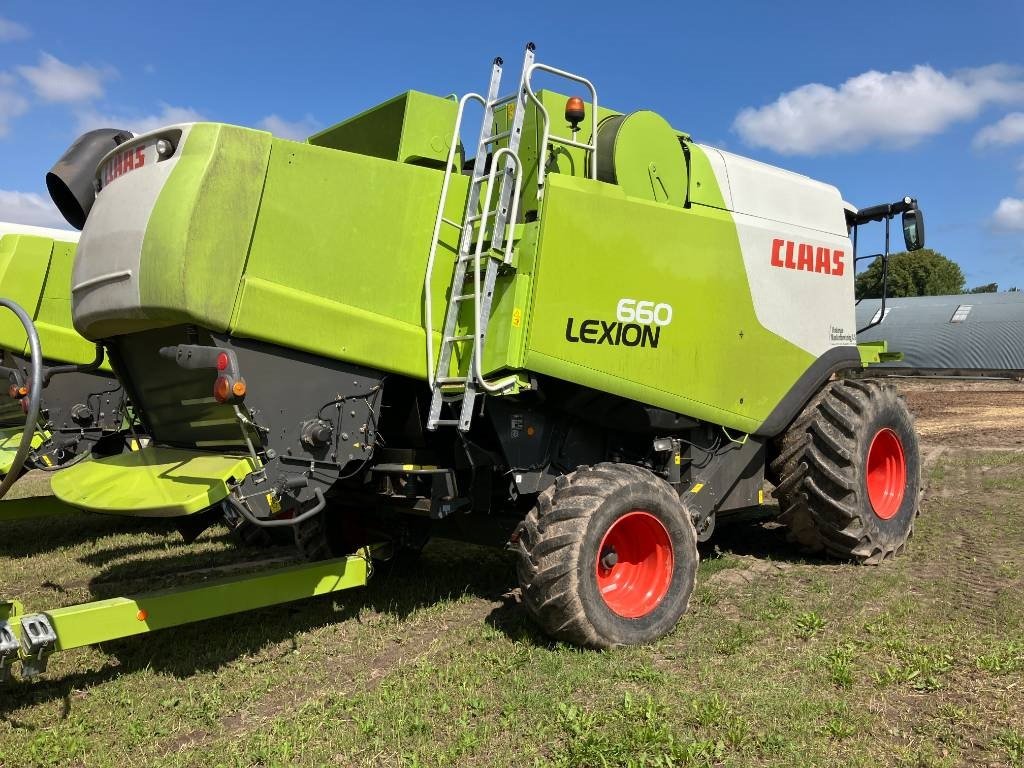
{"x": 1009, "y": 215}
{"x": 12, "y": 30}
{"x": 29, "y": 208}
{"x": 893, "y": 109}
{"x": 12, "y": 104}
{"x": 298, "y": 130}
{"x": 53, "y": 80}
{"x": 1009, "y": 130}
{"x": 168, "y": 115}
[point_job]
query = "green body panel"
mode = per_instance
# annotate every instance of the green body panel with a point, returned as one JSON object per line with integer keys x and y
{"x": 413, "y": 128}
{"x": 10, "y": 439}
{"x": 338, "y": 256}
{"x": 714, "y": 360}
{"x": 36, "y": 272}
{"x": 152, "y": 482}
{"x": 640, "y": 153}
{"x": 874, "y": 352}
{"x": 117, "y": 617}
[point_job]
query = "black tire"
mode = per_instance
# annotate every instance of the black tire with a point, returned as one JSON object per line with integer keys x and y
{"x": 822, "y": 478}
{"x": 559, "y": 543}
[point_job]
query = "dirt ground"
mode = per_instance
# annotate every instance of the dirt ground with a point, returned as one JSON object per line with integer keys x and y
{"x": 782, "y": 659}
{"x": 986, "y": 414}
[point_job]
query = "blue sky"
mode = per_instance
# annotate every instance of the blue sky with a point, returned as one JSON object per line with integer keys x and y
{"x": 880, "y": 99}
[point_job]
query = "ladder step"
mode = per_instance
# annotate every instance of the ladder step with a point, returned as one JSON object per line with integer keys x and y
{"x": 464, "y": 297}
{"x": 504, "y": 100}
{"x": 448, "y": 221}
{"x": 496, "y": 137}
{"x": 446, "y": 380}
{"x": 447, "y": 423}
{"x": 461, "y": 337}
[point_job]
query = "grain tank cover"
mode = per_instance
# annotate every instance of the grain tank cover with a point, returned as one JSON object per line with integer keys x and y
{"x": 642, "y": 153}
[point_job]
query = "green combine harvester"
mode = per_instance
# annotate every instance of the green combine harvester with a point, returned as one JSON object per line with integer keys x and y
{"x": 582, "y": 335}
{"x": 83, "y": 407}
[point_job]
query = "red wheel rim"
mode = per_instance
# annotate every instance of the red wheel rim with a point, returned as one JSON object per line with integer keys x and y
{"x": 887, "y": 473}
{"x": 634, "y": 564}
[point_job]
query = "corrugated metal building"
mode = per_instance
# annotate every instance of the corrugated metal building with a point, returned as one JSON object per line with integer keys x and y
{"x": 972, "y": 334}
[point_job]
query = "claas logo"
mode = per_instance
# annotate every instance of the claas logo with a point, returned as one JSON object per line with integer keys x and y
{"x": 805, "y": 257}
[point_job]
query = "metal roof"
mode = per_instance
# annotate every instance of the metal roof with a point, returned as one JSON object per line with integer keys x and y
{"x": 979, "y": 331}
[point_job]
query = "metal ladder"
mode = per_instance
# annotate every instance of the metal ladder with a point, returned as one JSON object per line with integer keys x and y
{"x": 472, "y": 252}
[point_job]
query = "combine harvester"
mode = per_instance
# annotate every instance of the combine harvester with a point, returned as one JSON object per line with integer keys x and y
{"x": 82, "y": 410}
{"x": 586, "y": 340}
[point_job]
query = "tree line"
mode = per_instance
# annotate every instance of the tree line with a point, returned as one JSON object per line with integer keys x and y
{"x": 918, "y": 273}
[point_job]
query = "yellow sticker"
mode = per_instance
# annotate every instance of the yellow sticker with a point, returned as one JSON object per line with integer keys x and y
{"x": 679, "y": 459}
{"x": 274, "y": 503}
{"x": 510, "y": 110}
{"x": 517, "y": 317}
{"x": 697, "y": 488}
{"x": 47, "y": 461}
{"x": 760, "y": 496}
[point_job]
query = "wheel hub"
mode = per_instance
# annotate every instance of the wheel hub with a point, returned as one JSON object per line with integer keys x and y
{"x": 634, "y": 564}
{"x": 886, "y": 477}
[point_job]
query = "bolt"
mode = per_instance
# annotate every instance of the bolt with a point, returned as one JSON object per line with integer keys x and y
{"x": 609, "y": 559}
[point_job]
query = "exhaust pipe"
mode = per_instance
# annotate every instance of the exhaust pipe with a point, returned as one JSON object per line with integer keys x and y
{"x": 71, "y": 180}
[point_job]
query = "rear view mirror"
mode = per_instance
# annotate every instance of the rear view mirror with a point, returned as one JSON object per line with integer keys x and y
{"x": 913, "y": 229}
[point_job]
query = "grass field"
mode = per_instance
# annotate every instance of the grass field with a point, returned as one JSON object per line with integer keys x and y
{"x": 780, "y": 661}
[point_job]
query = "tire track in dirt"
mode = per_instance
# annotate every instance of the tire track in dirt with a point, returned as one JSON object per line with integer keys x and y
{"x": 969, "y": 562}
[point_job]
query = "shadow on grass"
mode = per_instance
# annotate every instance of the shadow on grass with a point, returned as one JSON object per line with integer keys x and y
{"x": 445, "y": 571}
{"x": 40, "y": 536}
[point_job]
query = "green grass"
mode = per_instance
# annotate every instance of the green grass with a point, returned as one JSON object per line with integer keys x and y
{"x": 780, "y": 661}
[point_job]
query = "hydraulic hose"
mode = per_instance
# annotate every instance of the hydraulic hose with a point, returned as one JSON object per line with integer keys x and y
{"x": 239, "y": 506}
{"x": 34, "y": 394}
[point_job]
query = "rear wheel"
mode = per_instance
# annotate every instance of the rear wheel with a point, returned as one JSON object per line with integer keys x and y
{"x": 848, "y": 472}
{"x": 607, "y": 557}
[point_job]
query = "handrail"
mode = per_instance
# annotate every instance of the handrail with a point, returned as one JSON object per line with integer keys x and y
{"x": 428, "y": 322}
{"x": 478, "y": 351}
{"x": 35, "y": 393}
{"x": 546, "y": 136}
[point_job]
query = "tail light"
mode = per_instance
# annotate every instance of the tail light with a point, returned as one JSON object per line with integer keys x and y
{"x": 228, "y": 388}
{"x": 229, "y": 384}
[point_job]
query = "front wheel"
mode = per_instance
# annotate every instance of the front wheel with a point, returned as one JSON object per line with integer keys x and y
{"x": 607, "y": 557}
{"x": 849, "y": 472}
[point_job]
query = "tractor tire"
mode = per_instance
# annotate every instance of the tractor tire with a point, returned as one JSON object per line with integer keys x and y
{"x": 607, "y": 557}
{"x": 848, "y": 473}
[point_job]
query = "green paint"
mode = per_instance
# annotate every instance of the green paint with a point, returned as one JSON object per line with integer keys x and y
{"x": 714, "y": 361}
{"x": 10, "y": 439}
{"x": 874, "y": 352}
{"x": 36, "y": 273}
{"x": 152, "y": 482}
{"x": 34, "y": 508}
{"x": 118, "y": 617}
{"x": 412, "y": 128}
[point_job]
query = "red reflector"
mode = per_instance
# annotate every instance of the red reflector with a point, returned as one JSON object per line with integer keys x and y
{"x": 222, "y": 389}
{"x": 222, "y": 361}
{"x": 24, "y": 404}
{"x": 142, "y": 615}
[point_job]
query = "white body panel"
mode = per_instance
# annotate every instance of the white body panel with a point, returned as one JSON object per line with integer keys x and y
{"x": 105, "y": 277}
{"x": 796, "y": 249}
